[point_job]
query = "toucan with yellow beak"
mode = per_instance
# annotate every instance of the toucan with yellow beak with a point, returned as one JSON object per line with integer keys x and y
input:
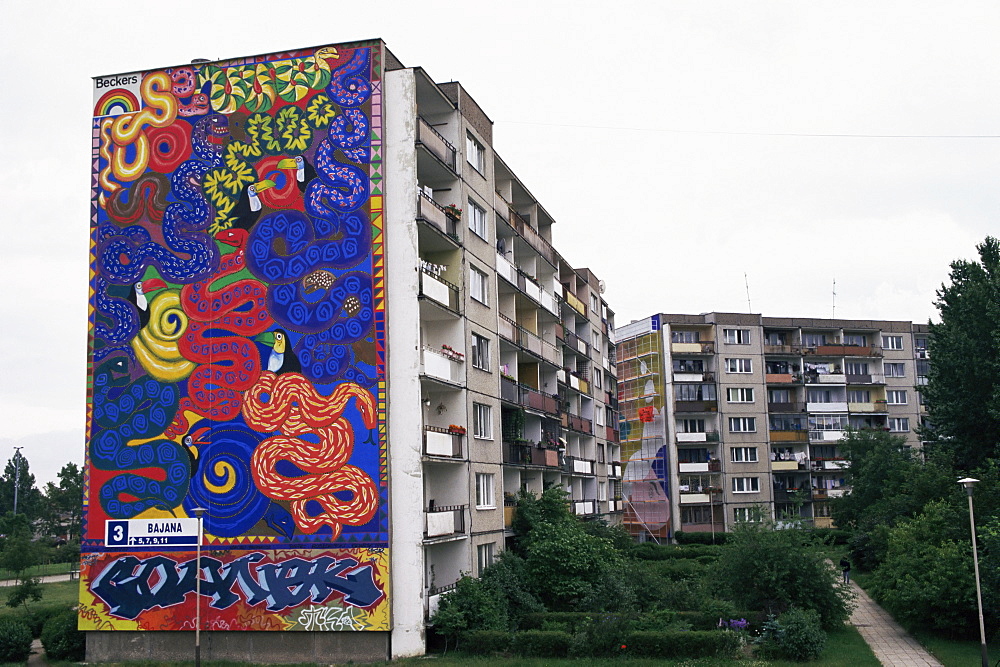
{"x": 282, "y": 359}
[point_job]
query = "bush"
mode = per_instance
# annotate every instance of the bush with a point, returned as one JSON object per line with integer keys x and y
{"x": 602, "y": 636}
{"x": 704, "y": 644}
{"x": 15, "y": 641}
{"x": 61, "y": 639}
{"x": 571, "y": 619}
{"x": 795, "y": 635}
{"x": 700, "y": 538}
{"x": 480, "y": 642}
{"x": 833, "y": 535}
{"x": 652, "y": 551}
{"x": 675, "y": 570}
{"x": 541, "y": 644}
{"x": 36, "y": 618}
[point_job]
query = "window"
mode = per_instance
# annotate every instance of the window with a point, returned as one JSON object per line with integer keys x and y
{"x": 920, "y": 343}
{"x": 785, "y": 423}
{"x": 855, "y": 339}
{"x": 602, "y": 491}
{"x": 694, "y": 392}
{"x": 746, "y": 485}
{"x": 684, "y": 337}
{"x": 859, "y": 396}
{"x": 899, "y": 424}
{"x": 693, "y": 455}
{"x": 819, "y": 396}
{"x": 480, "y": 352}
{"x": 739, "y": 365}
{"x": 857, "y": 367}
{"x": 595, "y": 304}
{"x": 742, "y": 424}
{"x": 484, "y": 490}
{"x": 813, "y": 340}
{"x": 775, "y": 338}
{"x": 828, "y": 422}
{"x": 477, "y": 286}
{"x": 895, "y": 396}
{"x": 895, "y": 370}
{"x": 892, "y": 342}
{"x": 696, "y": 515}
{"x": 923, "y": 368}
{"x": 742, "y": 514}
{"x": 739, "y": 394}
{"x": 744, "y": 455}
{"x": 482, "y": 421}
{"x": 736, "y": 336}
{"x": 477, "y": 219}
{"x": 689, "y": 366}
{"x": 475, "y": 153}
{"x": 822, "y": 509}
{"x": 690, "y": 425}
{"x": 599, "y": 417}
{"x": 484, "y": 553}
{"x": 779, "y": 396}
{"x": 599, "y": 379}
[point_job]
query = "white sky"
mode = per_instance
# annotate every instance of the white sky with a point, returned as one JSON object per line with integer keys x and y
{"x": 645, "y": 128}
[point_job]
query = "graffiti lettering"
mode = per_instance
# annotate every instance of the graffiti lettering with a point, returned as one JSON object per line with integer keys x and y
{"x": 325, "y": 619}
{"x": 130, "y": 586}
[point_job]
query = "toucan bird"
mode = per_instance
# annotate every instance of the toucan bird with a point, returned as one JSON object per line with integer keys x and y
{"x": 304, "y": 171}
{"x": 248, "y": 207}
{"x": 282, "y": 359}
{"x": 139, "y": 297}
{"x": 191, "y": 442}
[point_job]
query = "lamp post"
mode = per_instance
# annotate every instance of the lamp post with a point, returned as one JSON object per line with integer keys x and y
{"x": 17, "y": 474}
{"x": 969, "y": 483}
{"x": 198, "y": 512}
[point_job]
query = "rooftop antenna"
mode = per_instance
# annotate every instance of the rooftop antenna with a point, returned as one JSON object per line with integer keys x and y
{"x": 834, "y": 316}
{"x": 747, "y": 283}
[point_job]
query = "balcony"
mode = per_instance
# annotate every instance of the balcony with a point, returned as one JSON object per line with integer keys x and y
{"x": 509, "y": 390}
{"x": 444, "y": 521}
{"x": 577, "y": 466}
{"x": 443, "y": 366}
{"x": 536, "y": 400}
{"x": 576, "y": 423}
{"x": 696, "y": 406}
{"x": 436, "y": 144}
{"x": 507, "y": 270}
{"x": 616, "y": 505}
{"x": 783, "y": 349}
{"x": 779, "y": 378}
{"x": 442, "y": 442}
{"x": 573, "y": 381}
{"x": 707, "y": 347}
{"x": 524, "y": 453}
{"x": 789, "y": 436}
{"x": 845, "y": 350}
{"x": 790, "y": 495}
{"x": 705, "y": 376}
{"x": 794, "y": 406}
{"x": 785, "y": 466}
{"x": 534, "y": 239}
{"x": 615, "y": 469}
{"x": 703, "y": 436}
{"x": 695, "y": 498}
{"x": 574, "y": 302}
{"x": 435, "y": 214}
{"x": 821, "y": 464}
{"x": 575, "y": 343}
{"x": 827, "y": 407}
{"x": 436, "y": 288}
{"x": 584, "y": 507}
{"x": 825, "y": 435}
{"x": 826, "y": 378}
{"x": 875, "y": 406}
{"x": 611, "y": 433}
{"x": 714, "y": 465}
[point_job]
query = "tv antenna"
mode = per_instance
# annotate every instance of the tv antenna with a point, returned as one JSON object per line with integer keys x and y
{"x": 834, "y": 298}
{"x": 747, "y": 283}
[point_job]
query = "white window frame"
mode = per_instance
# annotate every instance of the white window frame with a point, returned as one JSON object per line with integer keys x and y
{"x": 475, "y": 153}
{"x": 743, "y": 454}
{"x": 739, "y": 365}
{"x": 736, "y": 336}
{"x": 485, "y": 494}
{"x": 485, "y": 554}
{"x": 746, "y": 484}
{"x": 482, "y": 421}
{"x": 743, "y": 424}
{"x": 895, "y": 397}
{"x": 742, "y": 514}
{"x": 899, "y": 424}
{"x": 480, "y": 352}
{"x": 478, "y": 286}
{"x": 477, "y": 219}
{"x": 602, "y": 491}
{"x": 739, "y": 394}
{"x": 892, "y": 342}
{"x": 895, "y": 366}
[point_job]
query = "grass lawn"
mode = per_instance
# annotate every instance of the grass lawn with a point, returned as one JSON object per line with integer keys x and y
{"x": 42, "y": 570}
{"x": 956, "y": 652}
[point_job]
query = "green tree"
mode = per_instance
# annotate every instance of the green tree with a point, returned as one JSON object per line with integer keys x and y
{"x": 775, "y": 569}
{"x": 963, "y": 392}
{"x": 28, "y": 496}
{"x": 63, "y": 503}
{"x": 18, "y": 554}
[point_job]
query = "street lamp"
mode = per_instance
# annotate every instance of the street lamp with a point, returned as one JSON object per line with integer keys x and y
{"x": 17, "y": 474}
{"x": 198, "y": 512}
{"x": 969, "y": 483}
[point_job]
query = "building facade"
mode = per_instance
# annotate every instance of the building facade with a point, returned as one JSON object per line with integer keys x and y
{"x": 725, "y": 412}
{"x": 328, "y": 318}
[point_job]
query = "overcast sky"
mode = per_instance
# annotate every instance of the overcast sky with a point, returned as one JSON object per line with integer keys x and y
{"x": 684, "y": 149}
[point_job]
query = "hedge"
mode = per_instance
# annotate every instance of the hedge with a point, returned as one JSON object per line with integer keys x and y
{"x": 541, "y": 644}
{"x": 700, "y": 538}
{"x": 651, "y": 551}
{"x": 486, "y": 642}
{"x": 572, "y": 619}
{"x": 694, "y": 644}
{"x": 61, "y": 639}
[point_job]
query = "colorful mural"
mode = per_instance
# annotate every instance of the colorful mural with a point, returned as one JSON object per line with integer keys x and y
{"x": 237, "y": 338}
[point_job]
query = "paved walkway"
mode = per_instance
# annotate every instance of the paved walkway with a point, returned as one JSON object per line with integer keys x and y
{"x": 46, "y": 579}
{"x": 891, "y": 644}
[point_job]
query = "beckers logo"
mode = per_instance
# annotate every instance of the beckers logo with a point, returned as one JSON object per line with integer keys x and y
{"x": 117, "y": 81}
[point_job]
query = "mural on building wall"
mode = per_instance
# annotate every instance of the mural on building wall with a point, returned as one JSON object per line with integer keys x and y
{"x": 237, "y": 346}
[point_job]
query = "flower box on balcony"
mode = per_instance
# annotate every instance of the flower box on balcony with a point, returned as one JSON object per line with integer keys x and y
{"x": 455, "y": 429}
{"x": 453, "y": 211}
{"x": 452, "y": 353}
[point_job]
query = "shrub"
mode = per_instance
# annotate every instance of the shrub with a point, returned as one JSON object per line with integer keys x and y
{"x": 697, "y": 644}
{"x": 480, "y": 642}
{"x": 15, "y": 641}
{"x": 795, "y": 635}
{"x": 61, "y": 639}
{"x": 541, "y": 644}
{"x": 700, "y": 538}
{"x": 570, "y": 619}
{"x": 602, "y": 636}
{"x": 675, "y": 570}
{"x": 36, "y": 618}
{"x": 652, "y": 551}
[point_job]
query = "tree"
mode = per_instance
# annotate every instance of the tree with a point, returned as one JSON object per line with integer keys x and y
{"x": 64, "y": 502}
{"x": 963, "y": 391}
{"x": 28, "y": 496}
{"x": 775, "y": 569}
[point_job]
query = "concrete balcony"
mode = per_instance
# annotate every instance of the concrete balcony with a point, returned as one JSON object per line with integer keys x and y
{"x": 442, "y": 366}
{"x": 875, "y": 406}
{"x": 826, "y": 378}
{"x": 435, "y": 214}
{"x": 696, "y": 406}
{"x": 789, "y": 350}
{"x": 827, "y": 407}
{"x": 436, "y": 144}
{"x": 779, "y": 466}
{"x": 584, "y": 507}
{"x": 444, "y": 521}
{"x": 789, "y": 436}
{"x": 577, "y": 466}
{"x": 825, "y": 436}
{"x": 439, "y": 290}
{"x": 442, "y": 442}
{"x": 693, "y": 348}
{"x": 695, "y": 498}
{"x": 576, "y": 423}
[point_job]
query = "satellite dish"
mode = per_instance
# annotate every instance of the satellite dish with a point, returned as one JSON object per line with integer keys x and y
{"x": 601, "y": 285}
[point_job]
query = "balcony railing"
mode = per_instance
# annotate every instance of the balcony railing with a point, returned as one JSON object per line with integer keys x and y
{"x": 534, "y": 239}
{"x": 435, "y": 214}
{"x": 614, "y": 469}
{"x": 573, "y": 302}
{"x": 874, "y": 406}
{"x": 444, "y": 520}
{"x": 703, "y": 347}
{"x": 440, "y": 290}
{"x": 577, "y": 466}
{"x": 793, "y": 406}
{"x": 700, "y": 436}
{"x": 584, "y": 507}
{"x": 795, "y": 435}
{"x": 442, "y": 442}
{"x": 509, "y": 390}
{"x": 576, "y": 423}
{"x": 825, "y": 435}
{"x": 532, "y": 398}
{"x": 788, "y": 466}
{"x": 435, "y": 143}
{"x": 442, "y": 366}
{"x": 696, "y": 406}
{"x": 780, "y": 378}
{"x": 576, "y": 343}
{"x": 783, "y": 349}
{"x": 610, "y": 433}
{"x": 526, "y": 453}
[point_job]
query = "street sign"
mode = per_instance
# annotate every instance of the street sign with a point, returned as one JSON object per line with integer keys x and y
{"x": 151, "y": 533}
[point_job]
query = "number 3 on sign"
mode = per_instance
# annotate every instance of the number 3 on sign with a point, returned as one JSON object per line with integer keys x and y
{"x": 117, "y": 534}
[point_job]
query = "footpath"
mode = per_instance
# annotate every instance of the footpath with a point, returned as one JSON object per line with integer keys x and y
{"x": 891, "y": 644}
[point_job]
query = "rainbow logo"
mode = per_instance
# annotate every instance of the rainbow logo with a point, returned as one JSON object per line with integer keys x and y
{"x": 116, "y": 101}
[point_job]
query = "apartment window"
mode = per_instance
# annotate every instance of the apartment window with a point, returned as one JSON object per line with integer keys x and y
{"x": 595, "y": 304}
{"x": 689, "y": 366}
{"x": 855, "y": 339}
{"x": 746, "y": 485}
{"x": 684, "y": 337}
{"x": 813, "y": 340}
{"x": 482, "y": 421}
{"x": 480, "y": 352}
{"x": 896, "y": 397}
{"x": 899, "y": 424}
{"x": 484, "y": 554}
{"x": 744, "y": 455}
{"x": 895, "y": 370}
{"x": 742, "y": 514}
{"x": 779, "y": 396}
{"x": 819, "y": 396}
{"x": 739, "y": 365}
{"x": 599, "y": 379}
{"x": 742, "y": 424}
{"x": 828, "y": 422}
{"x": 739, "y": 394}
{"x": 892, "y": 342}
{"x": 475, "y": 153}
{"x": 920, "y": 343}
{"x": 478, "y": 286}
{"x": 775, "y": 338}
{"x": 599, "y": 417}
{"x": 477, "y": 219}
{"x": 784, "y": 423}
{"x": 694, "y": 392}
{"x": 923, "y": 368}
{"x": 736, "y": 336}
{"x": 859, "y": 396}
{"x": 696, "y": 515}
{"x": 690, "y": 425}
{"x": 692, "y": 455}
{"x": 857, "y": 367}
{"x": 602, "y": 491}
{"x": 822, "y": 509}
{"x": 484, "y": 490}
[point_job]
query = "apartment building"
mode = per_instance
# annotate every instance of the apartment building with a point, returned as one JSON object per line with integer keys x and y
{"x": 725, "y": 412}
{"x": 331, "y": 337}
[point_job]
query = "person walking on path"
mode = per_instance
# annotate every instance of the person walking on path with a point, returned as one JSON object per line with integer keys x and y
{"x": 845, "y": 567}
